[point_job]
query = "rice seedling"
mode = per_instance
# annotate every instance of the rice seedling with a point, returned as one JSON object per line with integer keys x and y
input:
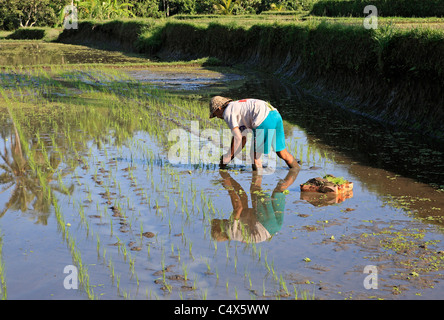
{"x": 190, "y": 246}
{"x": 263, "y": 288}
{"x": 185, "y": 271}
{"x": 180, "y": 196}
{"x": 284, "y": 286}
{"x": 3, "y": 288}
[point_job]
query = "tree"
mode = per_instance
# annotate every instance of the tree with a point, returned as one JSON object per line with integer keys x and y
{"x": 280, "y": 6}
{"x": 27, "y": 13}
{"x": 166, "y": 7}
{"x": 225, "y": 6}
{"x": 35, "y": 11}
{"x": 146, "y": 8}
{"x": 182, "y": 6}
{"x": 204, "y": 6}
{"x": 248, "y": 6}
{"x": 9, "y": 14}
{"x": 105, "y": 9}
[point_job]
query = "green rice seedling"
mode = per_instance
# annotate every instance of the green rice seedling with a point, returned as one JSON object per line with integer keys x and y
{"x": 146, "y": 294}
{"x": 194, "y": 286}
{"x": 111, "y": 267}
{"x": 190, "y": 246}
{"x": 283, "y": 285}
{"x": 207, "y": 263}
{"x": 263, "y": 288}
{"x": 266, "y": 263}
{"x": 98, "y": 245}
{"x": 185, "y": 271}
{"x": 3, "y": 288}
{"x": 227, "y": 251}
{"x": 295, "y": 292}
{"x": 170, "y": 225}
{"x": 118, "y": 283}
{"x": 132, "y": 265}
{"x": 204, "y": 294}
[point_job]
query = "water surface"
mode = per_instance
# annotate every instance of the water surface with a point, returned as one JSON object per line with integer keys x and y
{"x": 31, "y": 53}
{"x": 87, "y": 181}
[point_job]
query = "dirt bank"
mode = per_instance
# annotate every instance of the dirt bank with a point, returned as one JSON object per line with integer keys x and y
{"x": 391, "y": 75}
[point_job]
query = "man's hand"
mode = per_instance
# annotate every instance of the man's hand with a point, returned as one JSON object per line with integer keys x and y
{"x": 237, "y": 143}
{"x": 224, "y": 160}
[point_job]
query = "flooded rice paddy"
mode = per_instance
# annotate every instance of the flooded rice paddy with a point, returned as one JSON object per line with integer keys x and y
{"x": 32, "y": 53}
{"x": 87, "y": 181}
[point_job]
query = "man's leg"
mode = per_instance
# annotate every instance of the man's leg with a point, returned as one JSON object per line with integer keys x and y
{"x": 288, "y": 158}
{"x": 257, "y": 161}
{"x": 257, "y": 149}
{"x": 280, "y": 145}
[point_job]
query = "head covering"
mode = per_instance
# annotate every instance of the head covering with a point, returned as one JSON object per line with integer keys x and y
{"x": 216, "y": 102}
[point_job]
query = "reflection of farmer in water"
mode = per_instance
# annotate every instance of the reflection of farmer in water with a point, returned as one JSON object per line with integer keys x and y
{"x": 259, "y": 222}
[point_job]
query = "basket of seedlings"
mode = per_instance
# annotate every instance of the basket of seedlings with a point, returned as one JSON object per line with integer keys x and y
{"x": 327, "y": 184}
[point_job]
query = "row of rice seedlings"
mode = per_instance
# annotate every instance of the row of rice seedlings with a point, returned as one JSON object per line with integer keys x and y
{"x": 101, "y": 250}
{"x": 186, "y": 205}
{"x": 131, "y": 177}
{"x": 71, "y": 243}
{"x": 3, "y": 288}
{"x": 271, "y": 268}
{"x": 124, "y": 250}
{"x": 75, "y": 252}
{"x": 61, "y": 222}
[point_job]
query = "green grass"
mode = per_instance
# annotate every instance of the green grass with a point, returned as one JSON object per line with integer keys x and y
{"x": 397, "y": 53}
{"x": 336, "y": 180}
{"x": 403, "y": 8}
{"x": 4, "y": 34}
{"x": 45, "y": 34}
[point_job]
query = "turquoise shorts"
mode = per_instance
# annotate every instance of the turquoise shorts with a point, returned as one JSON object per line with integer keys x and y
{"x": 270, "y": 212}
{"x": 270, "y": 133}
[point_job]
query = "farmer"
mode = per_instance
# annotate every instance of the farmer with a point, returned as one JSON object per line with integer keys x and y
{"x": 260, "y": 221}
{"x": 260, "y": 117}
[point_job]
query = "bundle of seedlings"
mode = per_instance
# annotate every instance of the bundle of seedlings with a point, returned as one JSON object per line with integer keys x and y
{"x": 328, "y": 183}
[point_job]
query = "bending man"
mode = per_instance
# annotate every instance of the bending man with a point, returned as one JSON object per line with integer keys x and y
{"x": 259, "y": 116}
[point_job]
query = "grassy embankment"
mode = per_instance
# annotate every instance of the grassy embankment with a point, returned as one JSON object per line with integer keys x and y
{"x": 386, "y": 8}
{"x": 392, "y": 74}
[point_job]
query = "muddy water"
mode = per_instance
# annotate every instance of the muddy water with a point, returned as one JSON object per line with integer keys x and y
{"x": 148, "y": 228}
